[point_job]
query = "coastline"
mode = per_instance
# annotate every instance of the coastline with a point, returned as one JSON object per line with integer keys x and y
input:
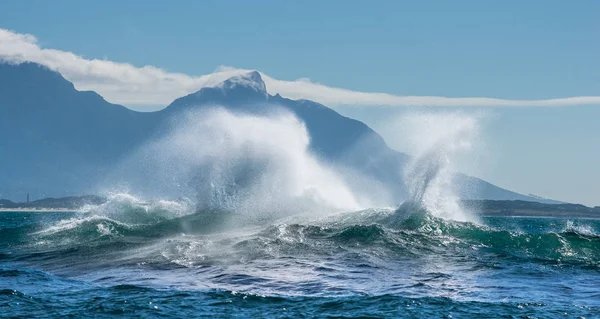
{"x": 541, "y": 216}
{"x": 39, "y": 210}
{"x": 483, "y": 208}
{"x": 482, "y": 214}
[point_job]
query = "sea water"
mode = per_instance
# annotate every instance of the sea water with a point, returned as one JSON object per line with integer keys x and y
{"x": 155, "y": 261}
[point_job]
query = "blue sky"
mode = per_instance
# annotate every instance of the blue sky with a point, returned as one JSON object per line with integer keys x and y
{"x": 517, "y": 49}
{"x": 507, "y": 50}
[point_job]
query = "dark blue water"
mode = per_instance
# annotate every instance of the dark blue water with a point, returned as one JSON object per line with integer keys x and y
{"x": 139, "y": 262}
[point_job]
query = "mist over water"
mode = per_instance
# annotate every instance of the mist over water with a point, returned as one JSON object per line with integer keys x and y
{"x": 263, "y": 166}
{"x": 241, "y": 163}
{"x": 436, "y": 141}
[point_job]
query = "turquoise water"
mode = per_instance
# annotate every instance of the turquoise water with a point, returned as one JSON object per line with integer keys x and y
{"x": 137, "y": 262}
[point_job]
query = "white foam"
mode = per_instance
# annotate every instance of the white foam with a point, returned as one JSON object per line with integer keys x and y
{"x": 579, "y": 229}
{"x": 238, "y": 162}
{"x": 436, "y": 140}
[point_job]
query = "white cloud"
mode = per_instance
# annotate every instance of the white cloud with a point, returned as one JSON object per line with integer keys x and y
{"x": 130, "y": 85}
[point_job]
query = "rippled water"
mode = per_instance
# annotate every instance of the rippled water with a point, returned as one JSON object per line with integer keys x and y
{"x": 160, "y": 261}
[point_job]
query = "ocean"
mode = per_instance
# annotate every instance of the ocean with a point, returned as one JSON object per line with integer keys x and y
{"x": 145, "y": 260}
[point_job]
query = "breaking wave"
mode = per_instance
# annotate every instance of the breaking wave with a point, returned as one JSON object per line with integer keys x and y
{"x": 168, "y": 233}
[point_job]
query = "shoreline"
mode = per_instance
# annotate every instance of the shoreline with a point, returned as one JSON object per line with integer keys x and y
{"x": 541, "y": 216}
{"x": 39, "y": 210}
{"x": 483, "y": 214}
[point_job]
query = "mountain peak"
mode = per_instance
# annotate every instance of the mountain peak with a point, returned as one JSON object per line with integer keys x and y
{"x": 242, "y": 89}
{"x": 251, "y": 80}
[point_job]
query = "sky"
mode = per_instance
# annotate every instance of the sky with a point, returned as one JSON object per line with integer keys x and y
{"x": 529, "y": 70}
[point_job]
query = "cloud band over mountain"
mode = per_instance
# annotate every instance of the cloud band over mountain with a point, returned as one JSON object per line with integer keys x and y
{"x": 126, "y": 84}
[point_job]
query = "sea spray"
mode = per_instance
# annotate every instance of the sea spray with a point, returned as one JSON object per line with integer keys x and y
{"x": 237, "y": 162}
{"x": 261, "y": 165}
{"x": 435, "y": 141}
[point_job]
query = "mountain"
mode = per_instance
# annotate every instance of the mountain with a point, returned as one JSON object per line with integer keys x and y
{"x": 475, "y": 188}
{"x": 332, "y": 134}
{"x": 54, "y": 139}
{"x": 58, "y": 141}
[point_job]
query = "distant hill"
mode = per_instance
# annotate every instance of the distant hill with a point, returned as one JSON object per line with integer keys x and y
{"x": 58, "y": 141}
{"x": 531, "y": 209}
{"x": 469, "y": 187}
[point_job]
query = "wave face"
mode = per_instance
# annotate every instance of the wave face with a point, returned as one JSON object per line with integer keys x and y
{"x": 374, "y": 261}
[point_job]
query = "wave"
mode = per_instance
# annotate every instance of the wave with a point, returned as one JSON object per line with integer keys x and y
{"x": 129, "y": 231}
{"x": 126, "y": 218}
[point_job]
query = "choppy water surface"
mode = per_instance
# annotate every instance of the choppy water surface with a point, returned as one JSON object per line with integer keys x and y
{"x": 158, "y": 260}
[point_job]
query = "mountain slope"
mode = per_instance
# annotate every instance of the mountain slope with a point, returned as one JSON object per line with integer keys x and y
{"x": 54, "y": 139}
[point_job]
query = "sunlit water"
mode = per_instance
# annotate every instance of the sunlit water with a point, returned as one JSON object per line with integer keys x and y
{"x": 157, "y": 261}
